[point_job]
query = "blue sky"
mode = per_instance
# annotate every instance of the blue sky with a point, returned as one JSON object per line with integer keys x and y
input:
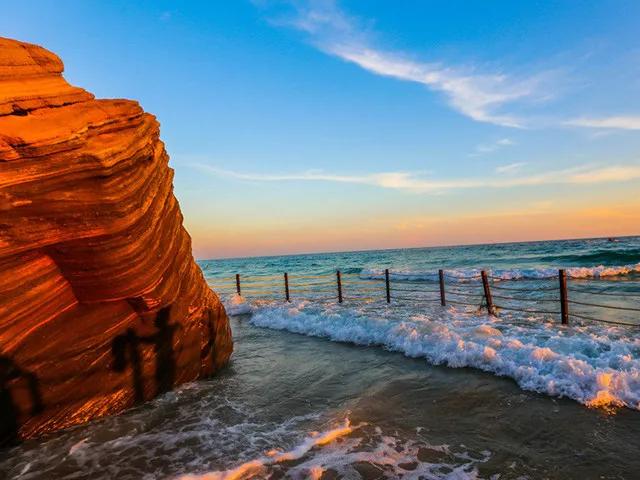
{"x": 312, "y": 126}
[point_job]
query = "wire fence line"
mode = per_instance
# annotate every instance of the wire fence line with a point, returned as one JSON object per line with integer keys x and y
{"x": 537, "y": 297}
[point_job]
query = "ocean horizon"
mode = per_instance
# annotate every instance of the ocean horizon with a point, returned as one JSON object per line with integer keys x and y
{"x": 472, "y": 244}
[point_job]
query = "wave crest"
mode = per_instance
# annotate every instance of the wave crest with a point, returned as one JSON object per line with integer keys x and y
{"x": 596, "y": 366}
{"x": 469, "y": 274}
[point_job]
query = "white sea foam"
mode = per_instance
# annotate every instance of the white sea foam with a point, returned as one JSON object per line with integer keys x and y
{"x": 468, "y": 274}
{"x": 194, "y": 428}
{"x": 390, "y": 458}
{"x": 343, "y": 454}
{"x": 460, "y": 275}
{"x": 79, "y": 446}
{"x": 603, "y": 271}
{"x": 236, "y": 305}
{"x": 257, "y": 466}
{"x": 594, "y": 365}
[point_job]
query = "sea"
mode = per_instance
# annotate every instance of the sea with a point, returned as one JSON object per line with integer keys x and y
{"x": 353, "y": 368}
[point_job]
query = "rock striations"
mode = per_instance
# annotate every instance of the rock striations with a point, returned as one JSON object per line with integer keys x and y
{"x": 101, "y": 302}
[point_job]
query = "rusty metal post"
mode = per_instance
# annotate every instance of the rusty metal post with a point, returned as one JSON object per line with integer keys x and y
{"x": 387, "y": 284}
{"x": 487, "y": 292}
{"x": 564, "y": 299}
{"x": 339, "y": 279}
{"x": 238, "y": 283}
{"x": 442, "y": 297}
{"x": 286, "y": 286}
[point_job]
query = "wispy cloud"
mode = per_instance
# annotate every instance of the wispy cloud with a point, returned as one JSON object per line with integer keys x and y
{"x": 416, "y": 183}
{"x": 510, "y": 168}
{"x": 485, "y": 148}
{"x": 629, "y": 122}
{"x": 485, "y": 96}
{"x": 480, "y": 96}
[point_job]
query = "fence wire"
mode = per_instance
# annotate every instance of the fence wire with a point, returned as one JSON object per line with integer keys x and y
{"x": 602, "y": 320}
{"x": 605, "y": 293}
{"x": 416, "y": 289}
{"x": 526, "y": 310}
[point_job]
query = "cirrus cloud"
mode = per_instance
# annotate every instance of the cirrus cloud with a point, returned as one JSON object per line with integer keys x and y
{"x": 621, "y": 122}
{"x": 481, "y": 96}
{"x": 493, "y": 97}
{"x": 417, "y": 183}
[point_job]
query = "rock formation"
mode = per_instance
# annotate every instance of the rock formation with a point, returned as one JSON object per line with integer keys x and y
{"x": 101, "y": 302}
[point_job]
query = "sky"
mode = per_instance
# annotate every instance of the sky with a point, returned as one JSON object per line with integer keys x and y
{"x": 312, "y": 126}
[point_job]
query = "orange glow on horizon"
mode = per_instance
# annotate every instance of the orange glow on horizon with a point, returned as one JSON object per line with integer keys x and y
{"x": 415, "y": 231}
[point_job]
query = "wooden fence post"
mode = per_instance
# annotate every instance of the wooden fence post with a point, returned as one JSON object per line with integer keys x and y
{"x": 238, "y": 283}
{"x": 564, "y": 300}
{"x": 442, "y": 297}
{"x": 487, "y": 292}
{"x": 387, "y": 284}
{"x": 339, "y": 286}
{"x": 286, "y": 286}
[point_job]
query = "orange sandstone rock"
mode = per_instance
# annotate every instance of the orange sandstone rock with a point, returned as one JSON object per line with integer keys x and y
{"x": 101, "y": 302}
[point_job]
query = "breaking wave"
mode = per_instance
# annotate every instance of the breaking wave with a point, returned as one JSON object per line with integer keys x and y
{"x": 237, "y": 305}
{"x": 595, "y": 365}
{"x": 468, "y": 274}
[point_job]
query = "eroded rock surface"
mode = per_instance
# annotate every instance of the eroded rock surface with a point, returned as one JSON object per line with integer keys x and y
{"x": 101, "y": 302}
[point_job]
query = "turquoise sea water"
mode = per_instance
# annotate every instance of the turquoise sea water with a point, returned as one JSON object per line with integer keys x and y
{"x": 532, "y": 260}
{"x": 524, "y": 276}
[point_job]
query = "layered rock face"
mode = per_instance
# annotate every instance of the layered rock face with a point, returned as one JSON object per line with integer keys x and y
{"x": 101, "y": 302}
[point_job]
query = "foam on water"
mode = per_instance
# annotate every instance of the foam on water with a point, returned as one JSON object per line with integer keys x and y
{"x": 468, "y": 274}
{"x": 257, "y": 466}
{"x": 357, "y": 456}
{"x": 595, "y": 365}
{"x": 237, "y": 305}
{"x": 388, "y": 457}
{"x": 162, "y": 439}
{"x": 219, "y": 439}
